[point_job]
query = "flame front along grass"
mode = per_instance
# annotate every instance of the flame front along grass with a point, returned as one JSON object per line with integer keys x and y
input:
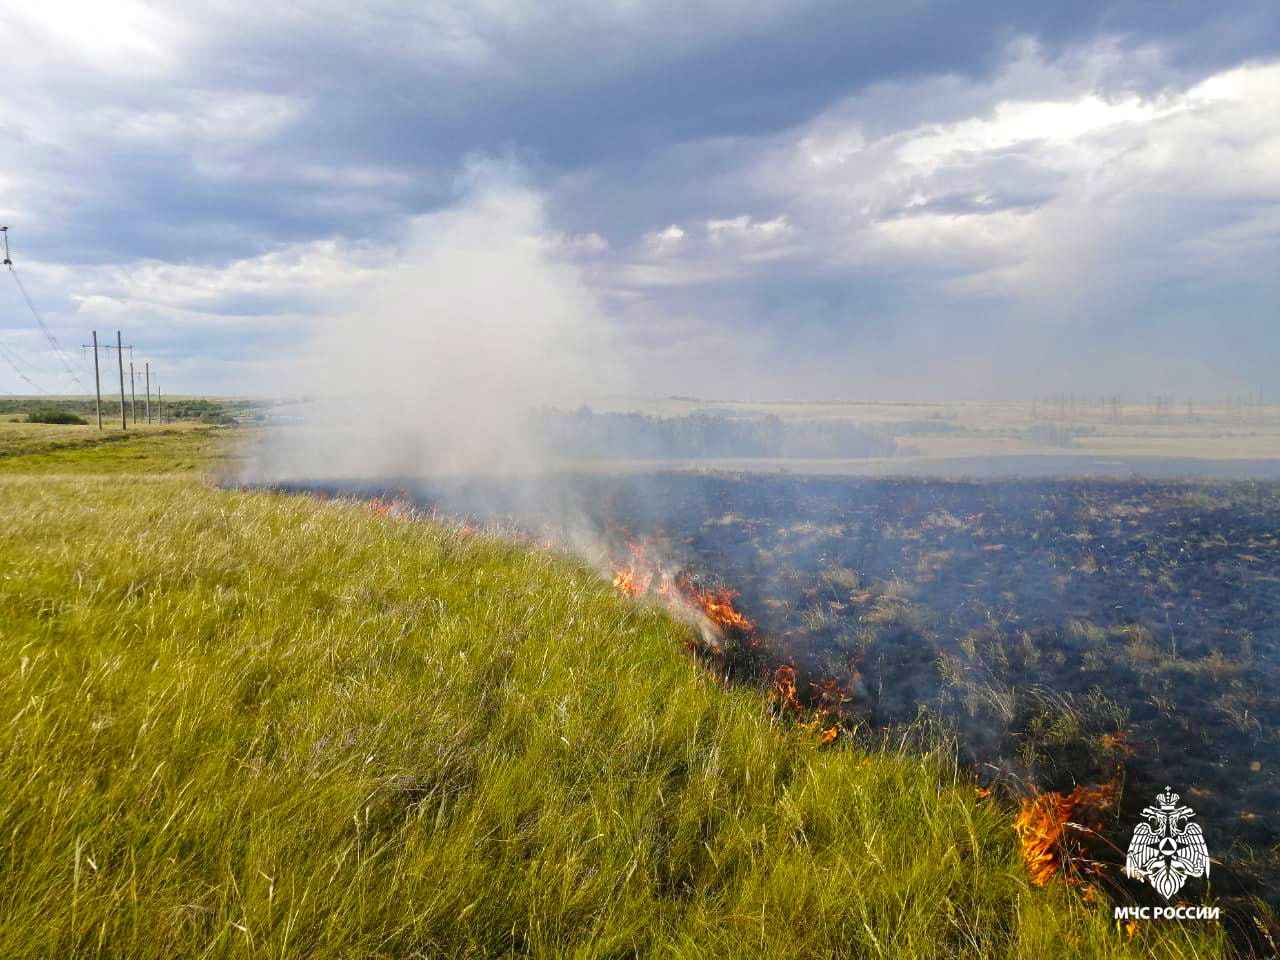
{"x": 245, "y": 724}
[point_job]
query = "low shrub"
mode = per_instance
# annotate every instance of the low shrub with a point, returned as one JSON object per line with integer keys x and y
{"x": 56, "y": 416}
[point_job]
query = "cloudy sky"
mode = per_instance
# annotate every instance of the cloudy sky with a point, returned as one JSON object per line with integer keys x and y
{"x": 908, "y": 200}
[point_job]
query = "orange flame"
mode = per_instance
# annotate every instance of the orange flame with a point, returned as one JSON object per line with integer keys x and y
{"x": 1118, "y": 742}
{"x": 399, "y": 505}
{"x": 642, "y": 576}
{"x": 783, "y": 690}
{"x": 1042, "y": 824}
{"x": 716, "y": 604}
{"x": 634, "y": 578}
{"x": 784, "y": 695}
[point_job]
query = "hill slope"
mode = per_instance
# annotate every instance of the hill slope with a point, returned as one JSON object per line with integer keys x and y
{"x": 245, "y": 724}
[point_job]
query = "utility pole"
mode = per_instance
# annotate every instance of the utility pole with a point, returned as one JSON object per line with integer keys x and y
{"x": 160, "y": 401}
{"x": 124, "y": 423}
{"x": 147, "y": 369}
{"x": 119, "y": 348}
{"x": 97, "y": 380}
{"x": 133, "y": 395}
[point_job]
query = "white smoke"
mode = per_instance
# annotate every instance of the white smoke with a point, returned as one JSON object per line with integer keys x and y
{"x": 481, "y": 317}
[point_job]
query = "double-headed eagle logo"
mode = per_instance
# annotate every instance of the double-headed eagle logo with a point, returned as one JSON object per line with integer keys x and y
{"x": 1168, "y": 848}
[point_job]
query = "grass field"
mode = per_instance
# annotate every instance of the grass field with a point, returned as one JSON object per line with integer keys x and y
{"x": 141, "y": 450}
{"x": 926, "y": 431}
{"x": 244, "y": 724}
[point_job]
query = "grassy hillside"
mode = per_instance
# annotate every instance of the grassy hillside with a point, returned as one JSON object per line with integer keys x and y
{"x": 241, "y": 724}
{"x": 142, "y": 450}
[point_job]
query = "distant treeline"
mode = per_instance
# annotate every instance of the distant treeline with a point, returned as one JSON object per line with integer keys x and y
{"x": 217, "y": 410}
{"x": 585, "y": 433}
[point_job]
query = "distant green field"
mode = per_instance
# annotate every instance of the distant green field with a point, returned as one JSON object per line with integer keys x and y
{"x": 1156, "y": 427}
{"x": 245, "y": 724}
{"x": 41, "y": 448}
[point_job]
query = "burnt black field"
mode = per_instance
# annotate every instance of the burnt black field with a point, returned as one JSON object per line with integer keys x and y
{"x": 1061, "y": 631}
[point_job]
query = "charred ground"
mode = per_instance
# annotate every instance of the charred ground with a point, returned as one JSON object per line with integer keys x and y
{"x": 1065, "y": 632}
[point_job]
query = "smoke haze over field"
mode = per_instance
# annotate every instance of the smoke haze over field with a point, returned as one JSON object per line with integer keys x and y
{"x": 434, "y": 361}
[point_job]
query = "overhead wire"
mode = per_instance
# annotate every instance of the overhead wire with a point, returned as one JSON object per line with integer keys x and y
{"x": 53, "y": 341}
{"x": 9, "y": 359}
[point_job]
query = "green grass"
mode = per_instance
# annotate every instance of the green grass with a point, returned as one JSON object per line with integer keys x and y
{"x": 243, "y": 724}
{"x": 152, "y": 449}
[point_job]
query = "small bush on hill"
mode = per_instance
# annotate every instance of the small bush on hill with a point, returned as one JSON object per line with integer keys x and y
{"x": 218, "y": 419}
{"x": 55, "y": 416}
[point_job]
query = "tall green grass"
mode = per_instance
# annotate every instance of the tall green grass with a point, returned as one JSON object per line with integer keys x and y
{"x": 240, "y": 724}
{"x": 143, "y": 448}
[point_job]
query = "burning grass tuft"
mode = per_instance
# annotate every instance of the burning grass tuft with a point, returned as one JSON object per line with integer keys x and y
{"x": 642, "y": 575}
{"x": 1049, "y": 828}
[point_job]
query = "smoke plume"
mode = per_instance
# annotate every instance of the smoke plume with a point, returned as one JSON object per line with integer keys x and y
{"x": 432, "y": 367}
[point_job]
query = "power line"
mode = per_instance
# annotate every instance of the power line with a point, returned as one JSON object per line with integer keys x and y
{"x": 53, "y": 341}
{"x": 17, "y": 357}
{"x": 8, "y": 358}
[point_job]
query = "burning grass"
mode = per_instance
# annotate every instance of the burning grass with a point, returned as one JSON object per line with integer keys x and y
{"x": 1052, "y": 828}
{"x": 246, "y": 724}
{"x": 724, "y": 628}
{"x": 730, "y": 642}
{"x": 1061, "y": 628}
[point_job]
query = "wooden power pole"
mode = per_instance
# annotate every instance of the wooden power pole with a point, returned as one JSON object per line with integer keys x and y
{"x": 147, "y": 370}
{"x": 133, "y": 395}
{"x": 119, "y": 348}
{"x": 124, "y": 423}
{"x": 97, "y": 380}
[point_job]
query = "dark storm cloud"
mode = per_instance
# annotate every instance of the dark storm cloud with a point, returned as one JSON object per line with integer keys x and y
{"x": 418, "y": 91}
{"x": 579, "y": 90}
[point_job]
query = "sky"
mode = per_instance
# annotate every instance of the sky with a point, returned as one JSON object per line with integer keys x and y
{"x": 918, "y": 200}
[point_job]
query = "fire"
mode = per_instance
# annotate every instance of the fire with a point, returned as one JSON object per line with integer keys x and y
{"x": 387, "y": 508}
{"x": 783, "y": 690}
{"x": 1118, "y": 742}
{"x": 634, "y": 578}
{"x": 393, "y": 505}
{"x": 716, "y": 604}
{"x": 786, "y": 698}
{"x": 1042, "y": 824}
{"x": 642, "y": 576}
{"x": 625, "y": 580}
